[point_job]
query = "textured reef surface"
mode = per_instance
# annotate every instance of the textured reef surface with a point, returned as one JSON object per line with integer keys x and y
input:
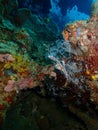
{"x": 48, "y": 80}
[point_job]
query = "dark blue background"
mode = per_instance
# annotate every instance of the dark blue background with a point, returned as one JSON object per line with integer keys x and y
{"x": 45, "y": 5}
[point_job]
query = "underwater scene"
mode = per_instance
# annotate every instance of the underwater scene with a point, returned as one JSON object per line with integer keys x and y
{"x": 48, "y": 65}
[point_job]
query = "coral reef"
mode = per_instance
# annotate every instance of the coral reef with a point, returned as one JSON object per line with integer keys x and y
{"x": 18, "y": 71}
{"x": 77, "y": 56}
{"x": 43, "y": 36}
{"x": 72, "y": 80}
{"x": 76, "y": 59}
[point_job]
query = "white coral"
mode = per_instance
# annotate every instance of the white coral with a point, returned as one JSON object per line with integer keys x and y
{"x": 69, "y": 67}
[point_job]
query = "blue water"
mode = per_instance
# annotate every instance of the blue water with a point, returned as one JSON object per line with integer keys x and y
{"x": 61, "y": 11}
